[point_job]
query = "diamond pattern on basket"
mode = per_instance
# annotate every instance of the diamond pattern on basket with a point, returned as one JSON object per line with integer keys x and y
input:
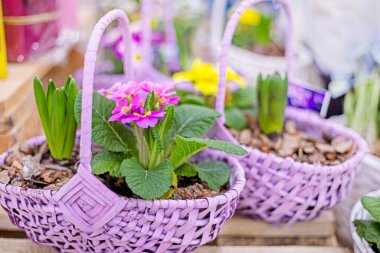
{"x": 88, "y": 203}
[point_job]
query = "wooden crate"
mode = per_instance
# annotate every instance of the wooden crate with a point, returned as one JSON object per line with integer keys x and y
{"x": 245, "y": 231}
{"x": 271, "y": 249}
{"x": 26, "y": 246}
{"x": 18, "y": 111}
{"x": 14, "y": 241}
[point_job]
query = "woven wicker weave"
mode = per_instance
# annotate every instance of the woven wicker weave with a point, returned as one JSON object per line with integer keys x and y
{"x": 86, "y": 216}
{"x": 281, "y": 189}
{"x": 103, "y": 78}
{"x": 359, "y": 213}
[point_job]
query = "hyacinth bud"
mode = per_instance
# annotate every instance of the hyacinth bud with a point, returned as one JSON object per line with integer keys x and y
{"x": 272, "y": 99}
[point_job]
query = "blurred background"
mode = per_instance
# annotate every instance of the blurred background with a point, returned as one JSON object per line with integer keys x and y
{"x": 335, "y": 52}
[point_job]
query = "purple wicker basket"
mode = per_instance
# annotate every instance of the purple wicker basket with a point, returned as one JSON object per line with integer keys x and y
{"x": 282, "y": 189}
{"x": 86, "y": 216}
{"x": 145, "y": 71}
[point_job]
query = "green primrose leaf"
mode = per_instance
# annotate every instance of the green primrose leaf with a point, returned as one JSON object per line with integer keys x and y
{"x": 193, "y": 99}
{"x": 148, "y": 184}
{"x": 369, "y": 230}
{"x": 243, "y": 98}
{"x": 167, "y": 124}
{"x": 372, "y": 205}
{"x": 216, "y": 174}
{"x": 224, "y": 146}
{"x": 235, "y": 118}
{"x": 183, "y": 149}
{"x": 186, "y": 170}
{"x": 149, "y": 101}
{"x": 112, "y": 136}
{"x": 361, "y": 226}
{"x": 157, "y": 138}
{"x": 193, "y": 120}
{"x": 107, "y": 162}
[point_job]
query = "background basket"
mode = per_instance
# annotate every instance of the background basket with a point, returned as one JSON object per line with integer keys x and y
{"x": 86, "y": 216}
{"x": 249, "y": 63}
{"x": 359, "y": 213}
{"x": 281, "y": 189}
{"x": 103, "y": 77}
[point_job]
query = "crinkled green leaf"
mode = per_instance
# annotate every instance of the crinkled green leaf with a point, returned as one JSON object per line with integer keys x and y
{"x": 166, "y": 125}
{"x": 186, "y": 170}
{"x": 369, "y": 230}
{"x": 107, "y": 162}
{"x": 243, "y": 98}
{"x": 183, "y": 149}
{"x": 148, "y": 184}
{"x": 112, "y": 136}
{"x": 149, "y": 101}
{"x": 216, "y": 174}
{"x": 235, "y": 118}
{"x": 193, "y": 99}
{"x": 372, "y": 205}
{"x": 157, "y": 139}
{"x": 193, "y": 120}
{"x": 224, "y": 146}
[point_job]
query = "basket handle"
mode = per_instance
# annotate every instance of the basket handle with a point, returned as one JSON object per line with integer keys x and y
{"x": 227, "y": 40}
{"x": 146, "y": 30}
{"x": 146, "y": 11}
{"x": 88, "y": 77}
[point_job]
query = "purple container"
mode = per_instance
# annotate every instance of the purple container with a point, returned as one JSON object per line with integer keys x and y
{"x": 282, "y": 189}
{"x": 86, "y": 216}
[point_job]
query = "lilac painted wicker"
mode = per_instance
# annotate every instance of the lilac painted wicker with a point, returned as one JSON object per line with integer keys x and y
{"x": 281, "y": 189}
{"x": 86, "y": 216}
{"x": 146, "y": 71}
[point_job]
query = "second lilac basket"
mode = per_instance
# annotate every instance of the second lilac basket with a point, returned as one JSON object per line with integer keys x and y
{"x": 282, "y": 189}
{"x": 146, "y": 71}
{"x": 85, "y": 216}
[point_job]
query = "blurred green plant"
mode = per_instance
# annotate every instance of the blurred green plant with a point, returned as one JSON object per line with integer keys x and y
{"x": 272, "y": 94}
{"x": 56, "y": 111}
{"x": 204, "y": 77}
{"x": 362, "y": 107}
{"x": 254, "y": 29}
{"x": 185, "y": 31}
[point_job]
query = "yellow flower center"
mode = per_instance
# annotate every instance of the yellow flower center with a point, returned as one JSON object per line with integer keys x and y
{"x": 146, "y": 114}
{"x": 126, "y": 109}
{"x": 138, "y": 57}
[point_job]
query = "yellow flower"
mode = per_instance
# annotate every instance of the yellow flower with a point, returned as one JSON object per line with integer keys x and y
{"x": 205, "y": 77}
{"x": 250, "y": 17}
{"x": 232, "y": 76}
{"x": 154, "y": 23}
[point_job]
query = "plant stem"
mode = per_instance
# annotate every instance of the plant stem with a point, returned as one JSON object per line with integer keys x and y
{"x": 142, "y": 146}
